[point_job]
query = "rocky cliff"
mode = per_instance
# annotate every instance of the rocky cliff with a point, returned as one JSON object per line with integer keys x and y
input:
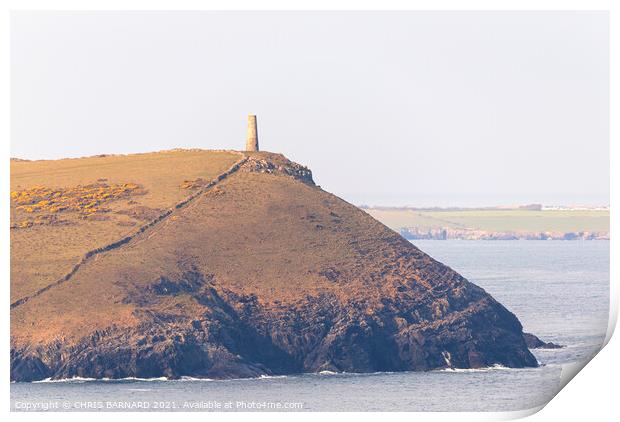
{"x": 248, "y": 270}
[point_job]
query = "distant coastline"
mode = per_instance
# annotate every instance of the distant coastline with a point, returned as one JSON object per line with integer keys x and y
{"x": 520, "y": 222}
{"x": 447, "y": 233}
{"x": 527, "y": 207}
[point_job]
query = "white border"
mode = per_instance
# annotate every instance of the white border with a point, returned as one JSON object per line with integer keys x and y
{"x": 593, "y": 386}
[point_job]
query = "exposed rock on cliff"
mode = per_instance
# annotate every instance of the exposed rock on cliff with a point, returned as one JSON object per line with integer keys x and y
{"x": 261, "y": 272}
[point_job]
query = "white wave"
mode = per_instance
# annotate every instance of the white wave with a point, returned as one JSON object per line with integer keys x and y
{"x": 267, "y": 377}
{"x": 260, "y": 377}
{"x": 187, "y": 378}
{"x": 81, "y": 379}
{"x": 74, "y": 379}
{"x": 555, "y": 350}
{"x": 350, "y": 374}
{"x": 485, "y": 369}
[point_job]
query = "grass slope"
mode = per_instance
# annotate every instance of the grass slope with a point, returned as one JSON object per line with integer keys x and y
{"x": 45, "y": 252}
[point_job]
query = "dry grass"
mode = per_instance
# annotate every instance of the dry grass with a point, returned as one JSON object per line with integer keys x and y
{"x": 260, "y": 235}
{"x": 61, "y": 209}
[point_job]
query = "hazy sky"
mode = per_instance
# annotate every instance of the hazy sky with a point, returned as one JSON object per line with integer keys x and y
{"x": 418, "y": 108}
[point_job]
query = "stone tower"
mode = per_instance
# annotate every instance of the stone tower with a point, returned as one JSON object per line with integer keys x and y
{"x": 251, "y": 143}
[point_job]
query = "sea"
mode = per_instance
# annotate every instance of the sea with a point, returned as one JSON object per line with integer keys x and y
{"x": 559, "y": 290}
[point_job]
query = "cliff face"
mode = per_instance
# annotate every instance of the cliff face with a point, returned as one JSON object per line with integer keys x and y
{"x": 258, "y": 272}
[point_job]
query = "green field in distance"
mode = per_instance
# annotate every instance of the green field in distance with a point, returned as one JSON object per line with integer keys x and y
{"x": 517, "y": 220}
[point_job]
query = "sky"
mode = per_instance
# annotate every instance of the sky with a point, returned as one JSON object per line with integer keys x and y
{"x": 386, "y": 108}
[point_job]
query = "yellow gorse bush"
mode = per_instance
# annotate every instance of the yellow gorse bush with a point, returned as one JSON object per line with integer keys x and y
{"x": 84, "y": 199}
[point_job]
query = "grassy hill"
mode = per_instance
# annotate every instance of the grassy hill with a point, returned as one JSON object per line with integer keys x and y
{"x": 226, "y": 264}
{"x": 46, "y": 242}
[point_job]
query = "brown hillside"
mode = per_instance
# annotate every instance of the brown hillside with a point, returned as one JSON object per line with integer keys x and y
{"x": 55, "y": 240}
{"x": 259, "y": 272}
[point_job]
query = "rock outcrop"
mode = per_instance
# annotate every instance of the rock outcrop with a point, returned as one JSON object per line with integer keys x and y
{"x": 261, "y": 273}
{"x": 534, "y": 342}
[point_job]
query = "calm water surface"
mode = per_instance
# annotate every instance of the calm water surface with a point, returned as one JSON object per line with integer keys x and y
{"x": 558, "y": 289}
